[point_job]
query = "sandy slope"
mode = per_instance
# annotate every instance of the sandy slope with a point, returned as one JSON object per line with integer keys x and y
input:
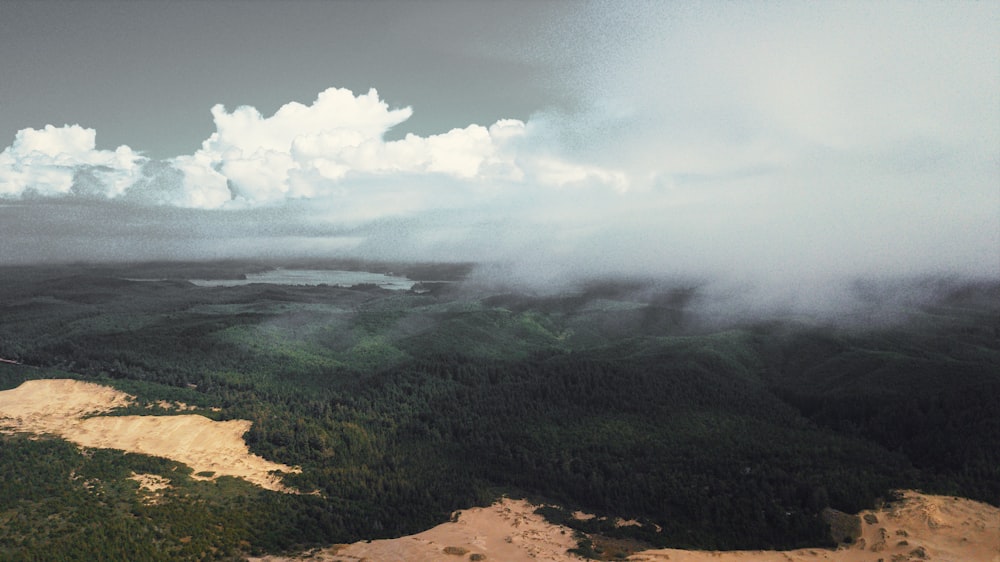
{"x": 60, "y": 407}
{"x": 507, "y": 530}
{"x": 920, "y": 527}
{"x": 44, "y": 406}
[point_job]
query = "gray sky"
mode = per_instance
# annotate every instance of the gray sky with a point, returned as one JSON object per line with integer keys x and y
{"x": 145, "y": 73}
{"x": 744, "y": 141}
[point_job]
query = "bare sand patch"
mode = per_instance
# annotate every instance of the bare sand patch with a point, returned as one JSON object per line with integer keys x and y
{"x": 62, "y": 406}
{"x": 173, "y": 406}
{"x": 919, "y": 527}
{"x": 44, "y": 406}
{"x": 507, "y": 530}
{"x": 151, "y": 487}
{"x": 150, "y": 482}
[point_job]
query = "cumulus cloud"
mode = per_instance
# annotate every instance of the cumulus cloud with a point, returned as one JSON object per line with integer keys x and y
{"x": 324, "y": 150}
{"x": 314, "y": 151}
{"x": 782, "y": 144}
{"x": 63, "y": 161}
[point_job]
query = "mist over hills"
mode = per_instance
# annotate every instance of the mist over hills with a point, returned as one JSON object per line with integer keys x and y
{"x": 771, "y": 152}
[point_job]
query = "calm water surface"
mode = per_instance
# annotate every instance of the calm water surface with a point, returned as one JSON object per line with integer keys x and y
{"x": 313, "y": 277}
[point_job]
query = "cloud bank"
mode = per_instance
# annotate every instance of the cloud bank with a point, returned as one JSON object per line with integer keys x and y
{"x": 783, "y": 145}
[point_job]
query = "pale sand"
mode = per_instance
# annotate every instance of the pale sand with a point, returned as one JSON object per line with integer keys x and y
{"x": 61, "y": 407}
{"x": 920, "y": 527}
{"x": 507, "y": 530}
{"x": 932, "y": 527}
{"x": 150, "y": 487}
{"x": 151, "y": 482}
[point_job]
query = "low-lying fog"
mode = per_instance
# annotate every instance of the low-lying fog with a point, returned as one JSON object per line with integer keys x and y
{"x": 775, "y": 157}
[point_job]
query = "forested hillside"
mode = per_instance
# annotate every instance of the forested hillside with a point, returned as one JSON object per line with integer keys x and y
{"x": 402, "y": 406}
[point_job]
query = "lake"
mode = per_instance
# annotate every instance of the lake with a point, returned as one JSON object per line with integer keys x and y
{"x": 314, "y": 277}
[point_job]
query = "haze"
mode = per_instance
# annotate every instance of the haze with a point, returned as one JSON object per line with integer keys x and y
{"x": 780, "y": 145}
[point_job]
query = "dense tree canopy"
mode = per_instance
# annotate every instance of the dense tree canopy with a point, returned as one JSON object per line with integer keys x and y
{"x": 403, "y": 406}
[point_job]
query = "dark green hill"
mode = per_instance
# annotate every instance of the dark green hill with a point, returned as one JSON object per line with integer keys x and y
{"x": 403, "y": 406}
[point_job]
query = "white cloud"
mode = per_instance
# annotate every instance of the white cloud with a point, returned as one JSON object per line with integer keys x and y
{"x": 317, "y": 151}
{"x": 330, "y": 149}
{"x": 49, "y": 161}
{"x": 202, "y": 186}
{"x": 778, "y": 141}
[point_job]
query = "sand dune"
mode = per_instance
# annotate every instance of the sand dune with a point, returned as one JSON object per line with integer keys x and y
{"x": 42, "y": 406}
{"x": 62, "y": 406}
{"x": 507, "y": 530}
{"x": 920, "y": 527}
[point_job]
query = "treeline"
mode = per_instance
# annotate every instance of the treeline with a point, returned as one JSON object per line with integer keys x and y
{"x": 927, "y": 392}
{"x": 715, "y": 460}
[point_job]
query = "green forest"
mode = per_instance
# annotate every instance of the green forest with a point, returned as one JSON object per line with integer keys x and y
{"x": 616, "y": 398}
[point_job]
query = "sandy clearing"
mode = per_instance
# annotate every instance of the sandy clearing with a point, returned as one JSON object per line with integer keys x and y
{"x": 60, "y": 407}
{"x": 176, "y": 406}
{"x": 151, "y": 487}
{"x": 150, "y": 482}
{"x": 920, "y": 527}
{"x": 507, "y": 530}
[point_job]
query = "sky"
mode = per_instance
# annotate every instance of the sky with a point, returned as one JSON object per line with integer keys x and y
{"x": 782, "y": 144}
